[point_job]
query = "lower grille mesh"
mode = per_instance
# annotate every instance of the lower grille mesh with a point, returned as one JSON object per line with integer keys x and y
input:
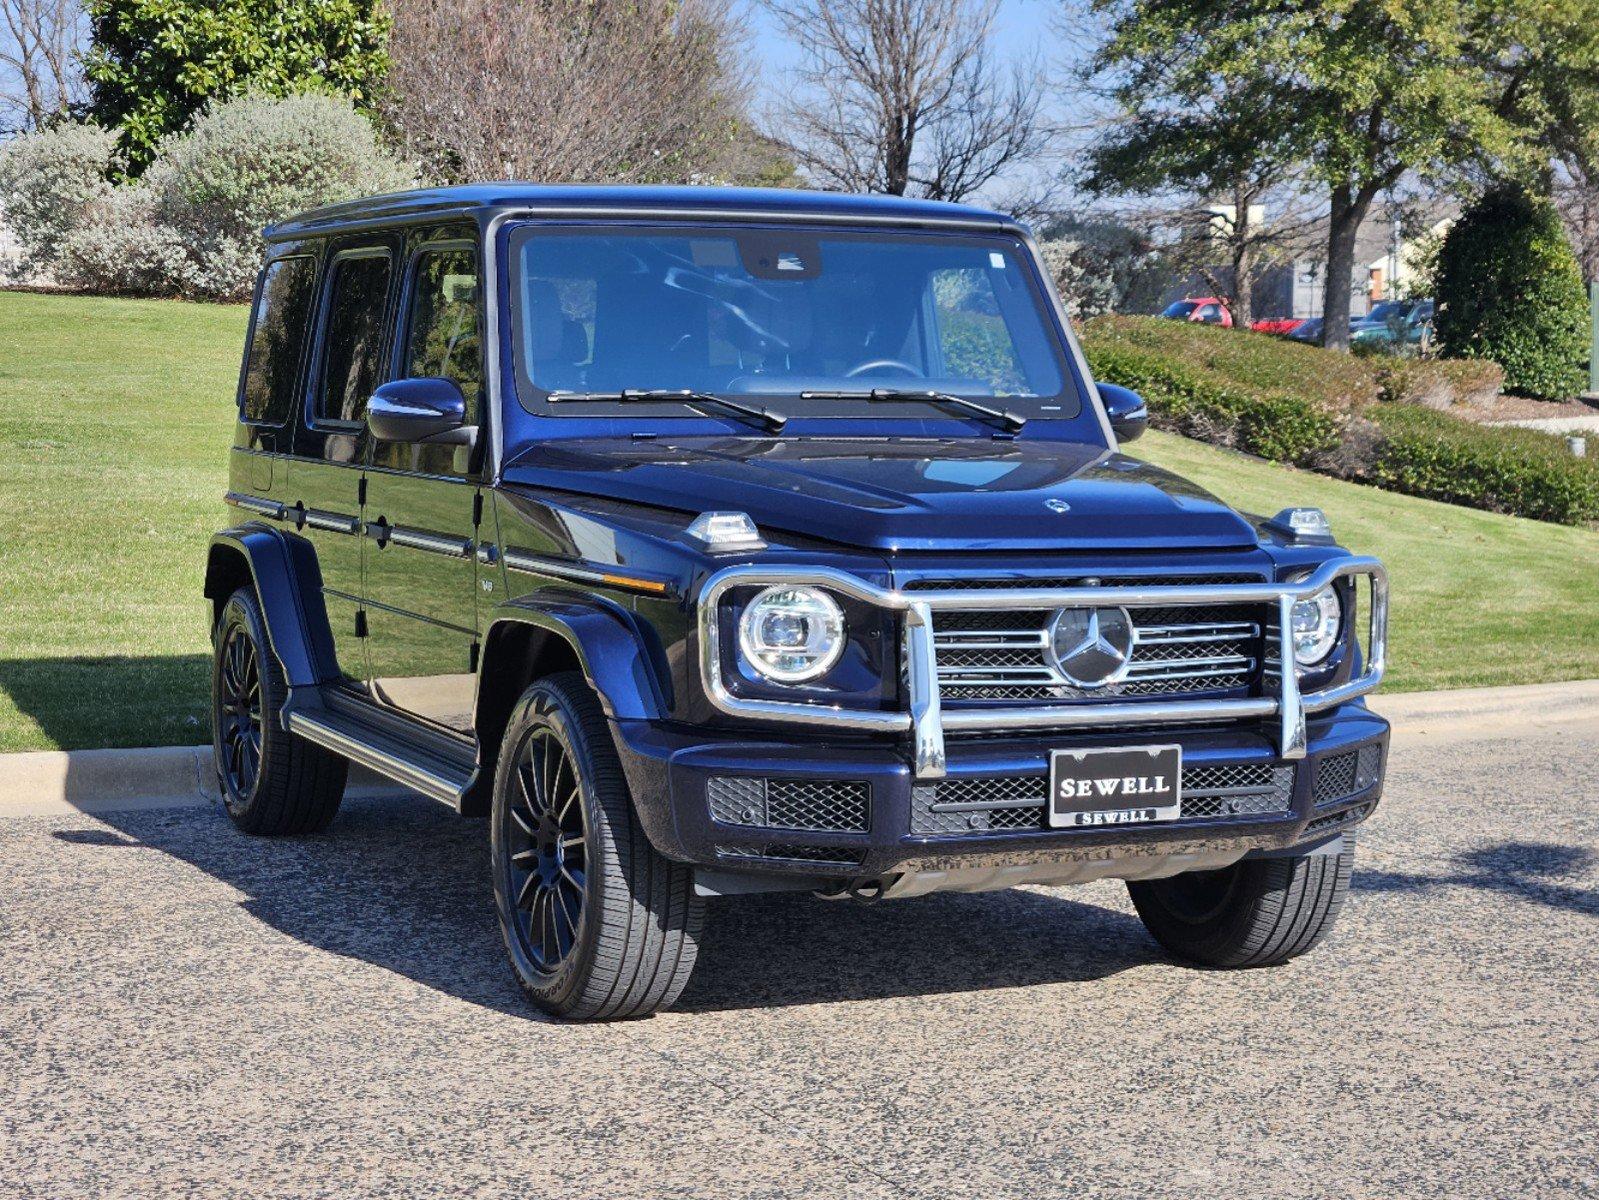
{"x": 824, "y": 805}
{"x": 1344, "y": 775}
{"x": 778, "y": 852}
{"x": 987, "y": 805}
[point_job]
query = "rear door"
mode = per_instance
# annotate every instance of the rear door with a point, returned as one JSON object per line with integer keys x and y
{"x": 323, "y": 487}
{"x": 421, "y": 506}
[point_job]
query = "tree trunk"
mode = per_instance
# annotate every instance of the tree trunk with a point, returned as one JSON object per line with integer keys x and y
{"x": 1348, "y": 210}
{"x": 1243, "y": 256}
{"x": 1243, "y": 287}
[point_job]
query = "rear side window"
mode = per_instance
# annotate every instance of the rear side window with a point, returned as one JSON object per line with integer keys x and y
{"x": 353, "y": 336}
{"x": 443, "y": 339}
{"x": 277, "y": 340}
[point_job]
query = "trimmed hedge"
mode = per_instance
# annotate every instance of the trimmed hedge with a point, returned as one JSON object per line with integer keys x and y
{"x": 1241, "y": 358}
{"x": 1380, "y": 422}
{"x": 1282, "y": 428}
{"x": 1516, "y": 471}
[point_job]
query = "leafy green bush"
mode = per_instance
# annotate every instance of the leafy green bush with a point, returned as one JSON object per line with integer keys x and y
{"x": 1438, "y": 382}
{"x": 1510, "y": 291}
{"x": 190, "y": 226}
{"x": 1280, "y": 427}
{"x": 1518, "y": 471}
{"x": 119, "y": 248}
{"x": 1242, "y": 358}
{"x": 154, "y": 64}
{"x": 1379, "y": 421}
{"x": 48, "y": 180}
{"x": 252, "y": 161}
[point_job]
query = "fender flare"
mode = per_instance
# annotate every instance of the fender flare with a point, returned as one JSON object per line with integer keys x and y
{"x": 288, "y": 583}
{"x": 608, "y": 646}
{"x": 613, "y": 652}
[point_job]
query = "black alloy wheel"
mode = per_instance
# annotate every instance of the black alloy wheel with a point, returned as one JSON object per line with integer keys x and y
{"x": 546, "y": 837}
{"x": 239, "y": 710}
{"x": 597, "y": 924}
{"x": 272, "y": 781}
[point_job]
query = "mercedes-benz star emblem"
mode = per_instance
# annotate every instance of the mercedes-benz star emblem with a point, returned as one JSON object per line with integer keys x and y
{"x": 1058, "y": 506}
{"x": 1091, "y": 647}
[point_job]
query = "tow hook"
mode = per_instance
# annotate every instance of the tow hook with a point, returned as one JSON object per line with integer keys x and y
{"x": 862, "y": 891}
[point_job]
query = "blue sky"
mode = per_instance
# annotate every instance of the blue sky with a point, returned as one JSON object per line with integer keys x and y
{"x": 1023, "y": 26}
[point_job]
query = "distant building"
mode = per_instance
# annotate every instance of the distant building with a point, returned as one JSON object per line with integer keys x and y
{"x": 1386, "y": 263}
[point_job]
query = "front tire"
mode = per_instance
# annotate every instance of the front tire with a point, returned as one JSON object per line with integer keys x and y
{"x": 272, "y": 781}
{"x": 1255, "y": 913}
{"x": 598, "y": 924}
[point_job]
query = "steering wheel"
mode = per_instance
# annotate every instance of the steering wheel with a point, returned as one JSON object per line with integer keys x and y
{"x": 882, "y": 364}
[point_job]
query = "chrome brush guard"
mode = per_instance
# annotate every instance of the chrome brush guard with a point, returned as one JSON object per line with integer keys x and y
{"x": 925, "y": 719}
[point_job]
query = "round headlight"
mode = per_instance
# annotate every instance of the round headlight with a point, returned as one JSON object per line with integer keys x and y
{"x": 1316, "y": 621}
{"x": 791, "y": 634}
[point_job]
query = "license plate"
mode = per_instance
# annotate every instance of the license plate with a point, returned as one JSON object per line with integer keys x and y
{"x": 1124, "y": 786}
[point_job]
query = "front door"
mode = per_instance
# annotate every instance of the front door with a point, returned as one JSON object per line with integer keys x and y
{"x": 421, "y": 504}
{"x": 323, "y": 486}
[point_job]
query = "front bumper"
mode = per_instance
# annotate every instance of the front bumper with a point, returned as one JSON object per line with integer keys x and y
{"x": 687, "y": 789}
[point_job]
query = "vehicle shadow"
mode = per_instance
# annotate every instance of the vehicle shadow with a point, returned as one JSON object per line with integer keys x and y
{"x": 1533, "y": 871}
{"x": 67, "y": 698}
{"x": 403, "y": 883}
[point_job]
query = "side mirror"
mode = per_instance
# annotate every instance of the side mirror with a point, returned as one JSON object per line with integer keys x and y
{"x": 1129, "y": 415}
{"x": 420, "y": 410}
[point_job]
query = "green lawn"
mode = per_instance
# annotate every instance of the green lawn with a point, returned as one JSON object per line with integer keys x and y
{"x": 115, "y": 417}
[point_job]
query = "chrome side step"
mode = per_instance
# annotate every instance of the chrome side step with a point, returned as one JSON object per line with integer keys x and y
{"x": 357, "y": 741}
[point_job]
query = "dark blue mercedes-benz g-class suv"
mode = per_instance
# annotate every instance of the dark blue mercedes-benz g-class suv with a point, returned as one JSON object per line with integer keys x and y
{"x": 712, "y": 542}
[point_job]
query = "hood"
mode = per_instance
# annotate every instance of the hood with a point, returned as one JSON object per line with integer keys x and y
{"x": 901, "y": 494}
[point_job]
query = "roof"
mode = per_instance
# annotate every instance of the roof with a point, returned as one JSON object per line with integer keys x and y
{"x": 480, "y": 199}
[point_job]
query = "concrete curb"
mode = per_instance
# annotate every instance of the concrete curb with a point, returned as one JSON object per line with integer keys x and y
{"x": 1473, "y": 713}
{"x": 56, "y": 782}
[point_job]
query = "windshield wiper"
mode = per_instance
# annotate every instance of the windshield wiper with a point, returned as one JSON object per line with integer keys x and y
{"x": 763, "y": 417}
{"x": 1005, "y": 419}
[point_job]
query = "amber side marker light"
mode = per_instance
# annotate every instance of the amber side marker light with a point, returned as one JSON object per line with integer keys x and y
{"x": 653, "y": 586}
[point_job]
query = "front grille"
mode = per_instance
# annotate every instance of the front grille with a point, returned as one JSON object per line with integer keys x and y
{"x": 1344, "y": 775}
{"x": 1000, "y": 804}
{"x": 830, "y": 805}
{"x": 1002, "y": 654}
{"x": 782, "y": 852}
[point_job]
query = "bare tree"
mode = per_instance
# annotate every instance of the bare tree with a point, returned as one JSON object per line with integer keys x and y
{"x": 904, "y": 97}
{"x": 562, "y": 90}
{"x": 1578, "y": 200}
{"x": 40, "y": 77}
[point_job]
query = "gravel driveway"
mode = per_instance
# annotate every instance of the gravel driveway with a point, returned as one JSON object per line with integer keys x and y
{"x": 185, "y": 1011}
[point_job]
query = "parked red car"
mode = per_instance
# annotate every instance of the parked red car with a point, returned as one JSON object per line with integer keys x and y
{"x": 1208, "y": 310}
{"x": 1281, "y": 326}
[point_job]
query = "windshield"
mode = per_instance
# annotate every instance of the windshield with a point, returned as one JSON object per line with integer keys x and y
{"x": 786, "y": 314}
{"x": 1388, "y": 310}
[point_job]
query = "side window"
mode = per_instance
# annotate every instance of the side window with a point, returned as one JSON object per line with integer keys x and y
{"x": 443, "y": 338}
{"x": 352, "y": 354}
{"x": 277, "y": 340}
{"x": 972, "y": 333}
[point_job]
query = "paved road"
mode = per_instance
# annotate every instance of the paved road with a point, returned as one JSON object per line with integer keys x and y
{"x": 187, "y": 1012}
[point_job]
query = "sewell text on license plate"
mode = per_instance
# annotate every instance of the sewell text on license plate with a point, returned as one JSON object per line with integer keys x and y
{"x": 1123, "y": 786}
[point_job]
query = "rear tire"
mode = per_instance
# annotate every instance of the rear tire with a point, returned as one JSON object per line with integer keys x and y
{"x": 597, "y": 923}
{"x": 1255, "y": 913}
{"x": 272, "y": 781}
